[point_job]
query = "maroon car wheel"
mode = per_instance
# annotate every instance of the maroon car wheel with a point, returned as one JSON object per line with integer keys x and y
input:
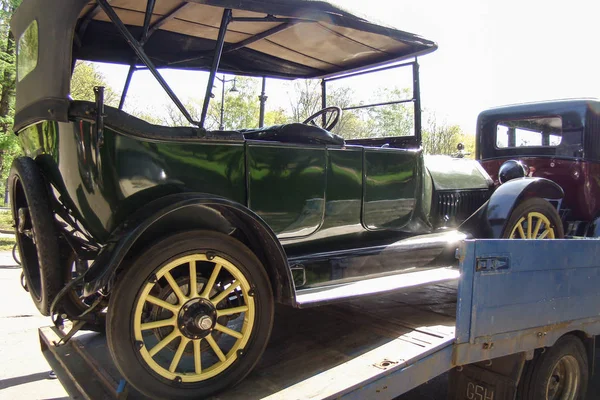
{"x": 534, "y": 219}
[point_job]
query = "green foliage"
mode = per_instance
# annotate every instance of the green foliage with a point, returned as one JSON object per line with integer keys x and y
{"x": 9, "y": 147}
{"x": 393, "y": 119}
{"x": 85, "y": 78}
{"x": 440, "y": 138}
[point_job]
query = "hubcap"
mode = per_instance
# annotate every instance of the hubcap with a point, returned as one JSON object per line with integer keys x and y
{"x": 534, "y": 225}
{"x": 564, "y": 380}
{"x": 194, "y": 318}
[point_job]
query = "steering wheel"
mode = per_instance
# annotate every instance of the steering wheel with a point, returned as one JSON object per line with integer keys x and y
{"x": 330, "y": 116}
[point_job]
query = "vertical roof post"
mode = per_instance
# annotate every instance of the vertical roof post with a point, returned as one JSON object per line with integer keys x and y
{"x": 417, "y": 100}
{"x": 215, "y": 65}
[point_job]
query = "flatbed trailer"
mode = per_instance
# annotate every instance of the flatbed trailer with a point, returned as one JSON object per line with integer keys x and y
{"x": 514, "y": 298}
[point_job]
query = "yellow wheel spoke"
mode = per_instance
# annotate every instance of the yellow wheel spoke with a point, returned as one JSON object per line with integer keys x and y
{"x": 224, "y": 293}
{"x": 536, "y": 231}
{"x": 175, "y": 287}
{"x": 160, "y": 345}
{"x": 228, "y": 331}
{"x": 529, "y": 223}
{"x": 231, "y": 311}
{"x": 520, "y": 229}
{"x": 178, "y": 354}
{"x": 159, "y": 324}
{"x": 197, "y": 356}
{"x": 216, "y": 348}
{"x": 211, "y": 281}
{"x": 173, "y": 356}
{"x": 171, "y": 307}
{"x": 548, "y": 232}
{"x": 193, "y": 280}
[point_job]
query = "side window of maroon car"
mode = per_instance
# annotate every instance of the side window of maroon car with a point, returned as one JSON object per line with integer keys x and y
{"x": 531, "y": 132}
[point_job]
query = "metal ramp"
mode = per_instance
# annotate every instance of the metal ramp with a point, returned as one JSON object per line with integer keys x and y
{"x": 317, "y": 353}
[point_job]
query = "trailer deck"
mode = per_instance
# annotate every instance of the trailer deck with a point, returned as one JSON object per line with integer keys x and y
{"x": 512, "y": 297}
{"x": 313, "y": 353}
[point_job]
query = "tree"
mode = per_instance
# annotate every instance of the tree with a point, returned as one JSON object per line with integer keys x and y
{"x": 9, "y": 147}
{"x": 241, "y": 109}
{"x": 393, "y": 119}
{"x": 85, "y": 78}
{"x": 441, "y": 138}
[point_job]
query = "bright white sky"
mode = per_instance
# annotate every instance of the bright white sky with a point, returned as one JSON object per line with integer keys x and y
{"x": 490, "y": 53}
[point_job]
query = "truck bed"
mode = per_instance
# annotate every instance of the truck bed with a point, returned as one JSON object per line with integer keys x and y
{"x": 315, "y": 353}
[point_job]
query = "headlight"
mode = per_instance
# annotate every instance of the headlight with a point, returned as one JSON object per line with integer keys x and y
{"x": 511, "y": 169}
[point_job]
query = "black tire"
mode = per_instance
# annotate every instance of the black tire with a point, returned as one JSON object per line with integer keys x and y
{"x": 534, "y": 205}
{"x": 542, "y": 375}
{"x": 39, "y": 254}
{"x": 15, "y": 254}
{"x": 146, "y": 273}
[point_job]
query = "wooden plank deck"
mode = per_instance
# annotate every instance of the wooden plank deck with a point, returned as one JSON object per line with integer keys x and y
{"x": 314, "y": 353}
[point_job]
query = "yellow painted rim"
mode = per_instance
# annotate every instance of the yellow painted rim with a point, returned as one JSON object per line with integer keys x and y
{"x": 533, "y": 230}
{"x": 225, "y": 360}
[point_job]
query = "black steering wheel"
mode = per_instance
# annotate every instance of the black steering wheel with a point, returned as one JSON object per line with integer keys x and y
{"x": 330, "y": 116}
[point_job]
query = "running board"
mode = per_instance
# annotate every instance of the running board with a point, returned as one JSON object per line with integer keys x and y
{"x": 385, "y": 284}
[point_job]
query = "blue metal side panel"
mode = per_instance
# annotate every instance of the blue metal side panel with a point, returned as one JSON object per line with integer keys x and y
{"x": 466, "y": 256}
{"x": 545, "y": 282}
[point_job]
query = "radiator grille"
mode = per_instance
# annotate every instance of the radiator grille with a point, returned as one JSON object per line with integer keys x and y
{"x": 453, "y": 207}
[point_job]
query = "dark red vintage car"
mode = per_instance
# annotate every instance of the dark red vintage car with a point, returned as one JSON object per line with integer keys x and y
{"x": 558, "y": 140}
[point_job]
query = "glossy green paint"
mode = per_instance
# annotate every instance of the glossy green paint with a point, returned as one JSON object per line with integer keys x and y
{"x": 455, "y": 174}
{"x": 286, "y": 186}
{"x": 390, "y": 183}
{"x": 315, "y": 198}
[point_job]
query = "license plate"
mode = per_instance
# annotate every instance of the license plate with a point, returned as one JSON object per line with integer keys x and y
{"x": 474, "y": 390}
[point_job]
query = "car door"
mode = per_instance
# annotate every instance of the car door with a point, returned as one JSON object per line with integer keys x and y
{"x": 286, "y": 186}
{"x": 390, "y": 187}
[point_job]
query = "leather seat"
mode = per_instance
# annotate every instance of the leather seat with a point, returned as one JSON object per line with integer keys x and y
{"x": 128, "y": 124}
{"x": 294, "y": 133}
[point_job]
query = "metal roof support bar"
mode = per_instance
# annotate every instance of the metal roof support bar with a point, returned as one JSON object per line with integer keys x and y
{"x": 387, "y": 103}
{"x": 323, "y": 100}
{"x": 270, "y": 19}
{"x": 87, "y": 18}
{"x": 243, "y": 43}
{"x": 147, "y": 19}
{"x": 141, "y": 54}
{"x": 143, "y": 37}
{"x": 126, "y": 87}
{"x": 417, "y": 97}
{"x": 368, "y": 71}
{"x": 215, "y": 65}
{"x": 165, "y": 18}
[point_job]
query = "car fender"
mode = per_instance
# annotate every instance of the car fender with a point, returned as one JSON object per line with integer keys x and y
{"x": 188, "y": 211}
{"x": 490, "y": 219}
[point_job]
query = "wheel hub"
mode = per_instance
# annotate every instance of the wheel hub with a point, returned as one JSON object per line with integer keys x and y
{"x": 197, "y": 318}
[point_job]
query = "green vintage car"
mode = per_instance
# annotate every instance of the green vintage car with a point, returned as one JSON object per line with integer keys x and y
{"x": 179, "y": 240}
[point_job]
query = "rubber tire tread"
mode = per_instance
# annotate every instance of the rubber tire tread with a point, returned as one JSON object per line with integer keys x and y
{"x": 535, "y": 204}
{"x": 130, "y": 281}
{"x": 36, "y": 194}
{"x": 536, "y": 371}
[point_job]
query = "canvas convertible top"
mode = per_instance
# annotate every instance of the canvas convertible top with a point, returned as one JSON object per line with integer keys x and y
{"x": 273, "y": 38}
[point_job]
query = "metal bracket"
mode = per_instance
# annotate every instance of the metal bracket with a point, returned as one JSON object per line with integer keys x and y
{"x": 489, "y": 264}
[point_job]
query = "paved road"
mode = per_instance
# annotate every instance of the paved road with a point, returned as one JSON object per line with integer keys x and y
{"x": 24, "y": 371}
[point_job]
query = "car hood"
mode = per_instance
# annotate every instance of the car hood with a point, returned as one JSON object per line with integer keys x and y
{"x": 450, "y": 173}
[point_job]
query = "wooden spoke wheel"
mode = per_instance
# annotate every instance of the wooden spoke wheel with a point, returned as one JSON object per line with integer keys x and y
{"x": 534, "y": 219}
{"x": 200, "y": 314}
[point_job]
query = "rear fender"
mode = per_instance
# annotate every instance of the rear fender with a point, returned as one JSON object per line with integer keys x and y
{"x": 188, "y": 211}
{"x": 490, "y": 219}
